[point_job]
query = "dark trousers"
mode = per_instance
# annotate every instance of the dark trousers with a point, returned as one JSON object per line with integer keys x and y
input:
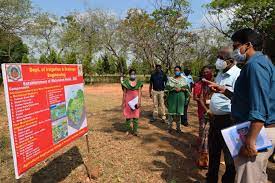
{"x": 184, "y": 118}
{"x": 216, "y": 145}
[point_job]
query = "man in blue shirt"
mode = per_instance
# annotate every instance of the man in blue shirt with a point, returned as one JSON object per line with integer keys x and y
{"x": 189, "y": 80}
{"x": 220, "y": 113}
{"x": 157, "y": 83}
{"x": 253, "y": 100}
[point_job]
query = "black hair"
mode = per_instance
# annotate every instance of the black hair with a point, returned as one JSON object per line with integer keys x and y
{"x": 158, "y": 65}
{"x": 247, "y": 35}
{"x": 132, "y": 70}
{"x": 179, "y": 67}
{"x": 14, "y": 69}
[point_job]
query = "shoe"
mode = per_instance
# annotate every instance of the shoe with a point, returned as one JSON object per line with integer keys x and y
{"x": 135, "y": 134}
{"x": 152, "y": 120}
{"x": 127, "y": 133}
{"x": 185, "y": 123}
{"x": 272, "y": 158}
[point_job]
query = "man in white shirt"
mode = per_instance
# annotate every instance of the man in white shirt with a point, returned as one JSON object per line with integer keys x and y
{"x": 220, "y": 112}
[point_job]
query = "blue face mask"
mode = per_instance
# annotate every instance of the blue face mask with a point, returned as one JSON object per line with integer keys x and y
{"x": 177, "y": 73}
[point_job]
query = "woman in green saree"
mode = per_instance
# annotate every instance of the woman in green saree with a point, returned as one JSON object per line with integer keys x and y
{"x": 178, "y": 94}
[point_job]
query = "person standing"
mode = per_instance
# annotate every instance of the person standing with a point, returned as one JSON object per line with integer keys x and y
{"x": 189, "y": 79}
{"x": 220, "y": 112}
{"x": 202, "y": 95}
{"x": 156, "y": 90}
{"x": 178, "y": 94}
{"x": 131, "y": 91}
{"x": 253, "y": 100}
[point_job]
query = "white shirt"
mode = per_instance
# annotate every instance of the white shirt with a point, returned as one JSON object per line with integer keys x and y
{"x": 219, "y": 103}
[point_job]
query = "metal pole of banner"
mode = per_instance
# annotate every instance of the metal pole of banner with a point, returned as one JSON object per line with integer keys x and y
{"x": 87, "y": 143}
{"x": 88, "y": 157}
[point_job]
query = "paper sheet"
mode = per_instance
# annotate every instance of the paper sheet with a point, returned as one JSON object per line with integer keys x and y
{"x": 132, "y": 103}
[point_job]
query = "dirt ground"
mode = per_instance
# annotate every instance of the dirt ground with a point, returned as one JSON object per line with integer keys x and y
{"x": 155, "y": 156}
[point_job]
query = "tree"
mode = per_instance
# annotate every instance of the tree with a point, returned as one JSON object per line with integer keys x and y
{"x": 70, "y": 58}
{"x": 12, "y": 48}
{"x": 25, "y": 59}
{"x": 105, "y": 64}
{"x": 256, "y": 14}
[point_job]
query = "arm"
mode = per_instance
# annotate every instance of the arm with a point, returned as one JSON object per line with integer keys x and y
{"x": 219, "y": 89}
{"x": 150, "y": 87}
{"x": 139, "y": 97}
{"x": 258, "y": 94}
{"x": 123, "y": 96}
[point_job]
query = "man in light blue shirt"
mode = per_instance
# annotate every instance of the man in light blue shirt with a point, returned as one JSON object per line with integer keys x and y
{"x": 220, "y": 112}
{"x": 189, "y": 80}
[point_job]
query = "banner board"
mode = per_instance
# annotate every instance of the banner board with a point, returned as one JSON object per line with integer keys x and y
{"x": 46, "y": 111}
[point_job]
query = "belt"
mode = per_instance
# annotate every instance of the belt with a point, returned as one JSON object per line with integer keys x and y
{"x": 270, "y": 126}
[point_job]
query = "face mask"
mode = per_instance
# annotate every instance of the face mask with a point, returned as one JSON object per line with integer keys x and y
{"x": 208, "y": 76}
{"x": 238, "y": 56}
{"x": 177, "y": 73}
{"x": 133, "y": 77}
{"x": 220, "y": 64}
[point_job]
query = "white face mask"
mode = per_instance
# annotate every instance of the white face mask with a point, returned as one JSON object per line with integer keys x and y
{"x": 220, "y": 64}
{"x": 133, "y": 77}
{"x": 238, "y": 56}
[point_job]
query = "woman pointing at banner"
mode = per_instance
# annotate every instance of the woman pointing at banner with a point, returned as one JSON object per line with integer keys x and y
{"x": 131, "y": 101}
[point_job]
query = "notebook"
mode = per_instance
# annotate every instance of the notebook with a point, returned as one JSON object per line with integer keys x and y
{"x": 132, "y": 103}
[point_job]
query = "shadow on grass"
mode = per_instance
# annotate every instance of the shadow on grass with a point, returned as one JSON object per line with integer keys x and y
{"x": 59, "y": 168}
{"x": 176, "y": 168}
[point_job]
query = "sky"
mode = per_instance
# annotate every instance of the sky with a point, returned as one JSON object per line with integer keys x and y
{"x": 119, "y": 7}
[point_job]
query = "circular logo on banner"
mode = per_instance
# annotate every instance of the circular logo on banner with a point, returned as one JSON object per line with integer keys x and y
{"x": 14, "y": 72}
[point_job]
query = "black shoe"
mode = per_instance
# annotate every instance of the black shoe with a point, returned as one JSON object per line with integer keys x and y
{"x": 185, "y": 123}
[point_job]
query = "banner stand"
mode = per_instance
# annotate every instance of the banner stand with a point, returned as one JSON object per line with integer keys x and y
{"x": 88, "y": 157}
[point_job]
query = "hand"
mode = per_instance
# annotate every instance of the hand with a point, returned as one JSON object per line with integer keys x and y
{"x": 210, "y": 114}
{"x": 249, "y": 148}
{"x": 138, "y": 105}
{"x": 215, "y": 87}
{"x": 177, "y": 90}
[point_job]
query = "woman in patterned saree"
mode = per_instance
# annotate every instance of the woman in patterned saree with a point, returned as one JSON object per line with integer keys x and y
{"x": 202, "y": 94}
{"x": 178, "y": 94}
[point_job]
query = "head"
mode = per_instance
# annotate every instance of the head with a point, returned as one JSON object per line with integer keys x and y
{"x": 245, "y": 42}
{"x": 187, "y": 70}
{"x": 158, "y": 68}
{"x": 132, "y": 74}
{"x": 177, "y": 71}
{"x": 14, "y": 72}
{"x": 207, "y": 72}
{"x": 224, "y": 59}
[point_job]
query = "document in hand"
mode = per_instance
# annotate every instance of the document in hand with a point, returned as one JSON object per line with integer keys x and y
{"x": 234, "y": 137}
{"x": 132, "y": 103}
